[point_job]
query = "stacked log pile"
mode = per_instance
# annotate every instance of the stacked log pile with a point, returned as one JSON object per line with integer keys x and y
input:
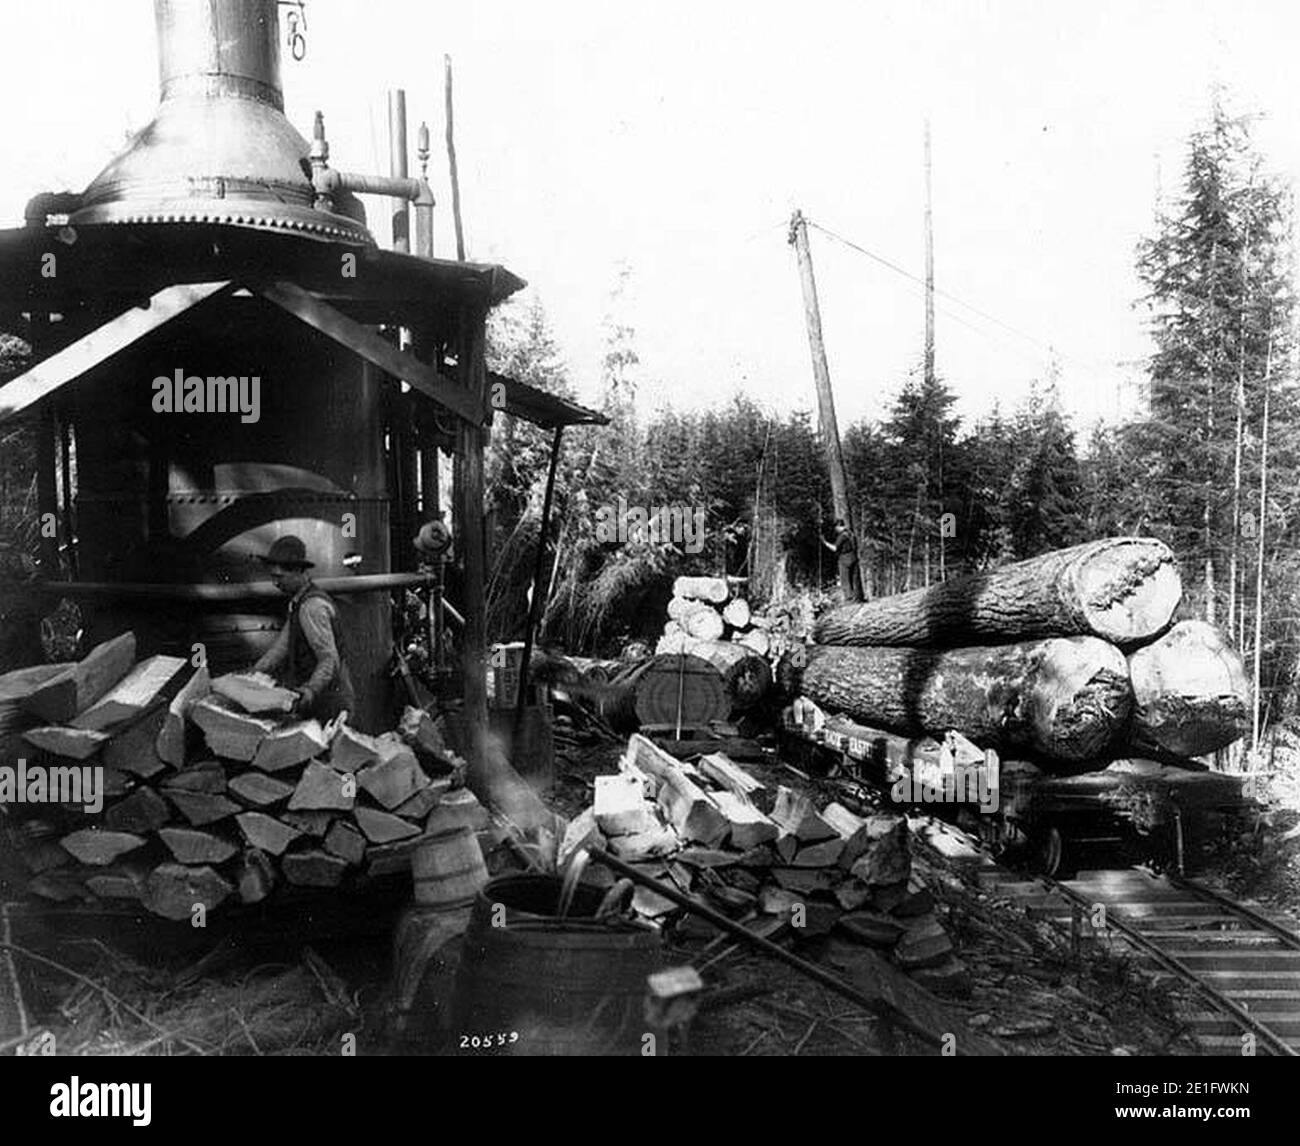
{"x": 766, "y": 856}
{"x": 1064, "y": 659}
{"x": 212, "y": 792}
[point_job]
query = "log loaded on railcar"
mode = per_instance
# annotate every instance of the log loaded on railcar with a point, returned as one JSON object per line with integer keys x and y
{"x": 1051, "y": 706}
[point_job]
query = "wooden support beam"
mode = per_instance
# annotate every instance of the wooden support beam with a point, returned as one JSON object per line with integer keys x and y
{"x": 103, "y": 342}
{"x": 361, "y": 340}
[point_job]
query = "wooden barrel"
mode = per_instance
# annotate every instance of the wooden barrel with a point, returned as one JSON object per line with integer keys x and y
{"x": 448, "y": 869}
{"x": 530, "y": 983}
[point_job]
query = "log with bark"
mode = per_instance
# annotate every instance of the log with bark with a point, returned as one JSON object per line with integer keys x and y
{"x": 662, "y": 689}
{"x": 745, "y": 675}
{"x": 1122, "y": 589}
{"x": 1190, "y": 693}
{"x": 711, "y": 589}
{"x": 1065, "y": 699}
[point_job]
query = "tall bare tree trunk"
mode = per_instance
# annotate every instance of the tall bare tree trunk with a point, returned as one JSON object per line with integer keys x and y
{"x": 1259, "y": 551}
{"x": 1207, "y": 513}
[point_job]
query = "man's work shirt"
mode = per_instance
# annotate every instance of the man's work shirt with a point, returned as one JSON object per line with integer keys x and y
{"x": 307, "y": 650}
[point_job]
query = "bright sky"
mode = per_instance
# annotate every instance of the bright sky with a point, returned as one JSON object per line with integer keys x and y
{"x": 676, "y": 137}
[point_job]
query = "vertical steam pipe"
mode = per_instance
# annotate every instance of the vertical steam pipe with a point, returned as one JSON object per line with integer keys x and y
{"x": 397, "y": 167}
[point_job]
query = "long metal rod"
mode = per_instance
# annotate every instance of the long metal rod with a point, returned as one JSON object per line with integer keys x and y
{"x": 877, "y": 1006}
{"x": 539, "y": 566}
{"x": 397, "y": 168}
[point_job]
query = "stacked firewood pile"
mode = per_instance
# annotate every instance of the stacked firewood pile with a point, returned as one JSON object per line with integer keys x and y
{"x": 768, "y": 857}
{"x": 211, "y": 790}
{"x": 1065, "y": 660}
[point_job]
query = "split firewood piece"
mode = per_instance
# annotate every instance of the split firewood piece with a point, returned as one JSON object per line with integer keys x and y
{"x": 309, "y": 823}
{"x": 383, "y": 827}
{"x": 321, "y": 788}
{"x": 852, "y": 830}
{"x": 345, "y": 842}
{"x": 174, "y": 890}
{"x": 230, "y": 733}
{"x": 206, "y": 776}
{"x": 425, "y": 800}
{"x": 60, "y": 886}
{"x": 98, "y": 847}
{"x": 74, "y": 690}
{"x": 265, "y": 833}
{"x": 313, "y": 869}
{"x": 17, "y": 686}
{"x": 134, "y": 748}
{"x": 291, "y": 745}
{"x": 254, "y": 692}
{"x": 352, "y": 750}
{"x": 655, "y": 843}
{"x": 121, "y": 881}
{"x": 260, "y": 790}
{"x": 390, "y": 859}
{"x": 756, "y": 640}
{"x": 822, "y": 854}
{"x": 256, "y": 876}
{"x": 459, "y": 808}
{"x": 116, "y": 783}
{"x": 395, "y": 777}
{"x": 795, "y": 813}
{"x": 696, "y": 857}
{"x": 787, "y": 843}
{"x": 748, "y": 826}
{"x": 694, "y": 816}
{"x": 42, "y": 855}
{"x": 621, "y": 808}
{"x": 142, "y": 812}
{"x": 804, "y": 880}
{"x": 171, "y": 736}
{"x": 190, "y": 846}
{"x": 727, "y": 774}
{"x": 132, "y": 696}
{"x": 70, "y": 743}
{"x": 887, "y": 857}
{"x": 201, "y": 808}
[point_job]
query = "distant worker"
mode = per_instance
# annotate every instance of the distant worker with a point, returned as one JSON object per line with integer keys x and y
{"x": 736, "y": 539}
{"x": 307, "y": 656}
{"x": 845, "y": 548}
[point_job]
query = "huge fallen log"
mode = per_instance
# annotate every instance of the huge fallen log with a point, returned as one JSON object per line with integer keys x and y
{"x": 1065, "y": 699}
{"x": 1190, "y": 694}
{"x": 745, "y": 674}
{"x": 658, "y": 690}
{"x": 1122, "y": 589}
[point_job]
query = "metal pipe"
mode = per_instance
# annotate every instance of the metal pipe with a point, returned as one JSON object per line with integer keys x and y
{"x": 539, "y": 566}
{"x": 397, "y": 168}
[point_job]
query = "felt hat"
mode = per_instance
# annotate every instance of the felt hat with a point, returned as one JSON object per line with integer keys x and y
{"x": 288, "y": 551}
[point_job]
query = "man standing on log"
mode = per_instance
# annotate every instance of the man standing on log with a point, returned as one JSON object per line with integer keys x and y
{"x": 845, "y": 548}
{"x": 306, "y": 655}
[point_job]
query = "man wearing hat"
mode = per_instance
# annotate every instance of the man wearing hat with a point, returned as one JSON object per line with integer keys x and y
{"x": 306, "y": 655}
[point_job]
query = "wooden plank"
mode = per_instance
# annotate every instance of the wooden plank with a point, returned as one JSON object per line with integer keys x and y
{"x": 170, "y": 744}
{"x": 265, "y": 833}
{"x": 100, "y": 344}
{"x": 70, "y": 743}
{"x": 363, "y": 341}
{"x": 132, "y": 696}
{"x": 75, "y": 689}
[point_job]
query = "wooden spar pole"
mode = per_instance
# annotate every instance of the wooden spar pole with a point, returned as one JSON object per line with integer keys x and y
{"x": 929, "y": 334}
{"x": 471, "y": 370}
{"x": 821, "y": 372}
{"x": 539, "y": 568}
{"x": 451, "y": 163}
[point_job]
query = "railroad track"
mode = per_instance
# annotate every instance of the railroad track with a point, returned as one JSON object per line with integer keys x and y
{"x": 1244, "y": 965}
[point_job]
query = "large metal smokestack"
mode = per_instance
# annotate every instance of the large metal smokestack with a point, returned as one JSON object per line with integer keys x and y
{"x": 219, "y": 149}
